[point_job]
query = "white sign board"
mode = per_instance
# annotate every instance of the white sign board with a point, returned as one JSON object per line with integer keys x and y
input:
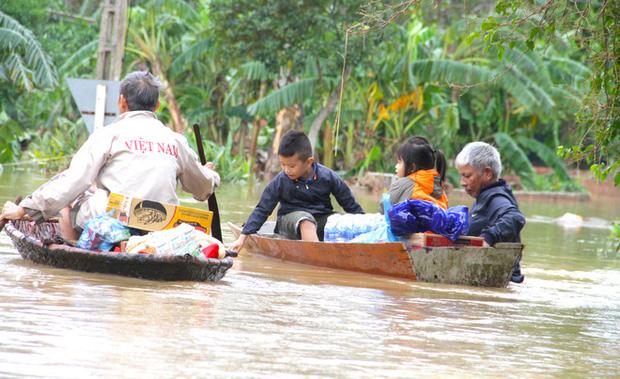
{"x": 90, "y": 100}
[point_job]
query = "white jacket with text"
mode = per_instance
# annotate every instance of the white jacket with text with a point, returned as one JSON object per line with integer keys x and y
{"x": 137, "y": 156}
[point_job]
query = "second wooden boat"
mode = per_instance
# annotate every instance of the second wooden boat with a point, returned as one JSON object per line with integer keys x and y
{"x": 414, "y": 259}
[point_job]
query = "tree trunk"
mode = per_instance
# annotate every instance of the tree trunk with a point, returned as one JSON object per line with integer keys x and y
{"x": 286, "y": 119}
{"x": 257, "y": 124}
{"x": 178, "y": 123}
{"x": 328, "y": 152}
{"x": 325, "y": 112}
{"x": 349, "y": 159}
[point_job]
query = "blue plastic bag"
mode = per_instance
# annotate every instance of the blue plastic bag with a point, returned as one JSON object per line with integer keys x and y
{"x": 102, "y": 232}
{"x": 415, "y": 216}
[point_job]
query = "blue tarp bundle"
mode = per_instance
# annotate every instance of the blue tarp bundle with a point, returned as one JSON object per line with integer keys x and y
{"x": 414, "y": 216}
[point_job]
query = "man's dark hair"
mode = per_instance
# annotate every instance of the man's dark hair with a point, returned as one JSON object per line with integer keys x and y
{"x": 141, "y": 90}
{"x": 295, "y": 142}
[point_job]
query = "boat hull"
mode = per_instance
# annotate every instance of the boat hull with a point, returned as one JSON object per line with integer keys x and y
{"x": 37, "y": 243}
{"x": 463, "y": 265}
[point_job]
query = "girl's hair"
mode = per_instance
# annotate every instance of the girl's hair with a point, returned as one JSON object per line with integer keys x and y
{"x": 419, "y": 152}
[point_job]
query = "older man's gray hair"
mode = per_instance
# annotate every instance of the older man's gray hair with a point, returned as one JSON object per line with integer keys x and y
{"x": 480, "y": 155}
{"x": 141, "y": 90}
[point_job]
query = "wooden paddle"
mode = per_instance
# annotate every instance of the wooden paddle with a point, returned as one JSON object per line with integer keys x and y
{"x": 18, "y": 199}
{"x": 216, "y": 228}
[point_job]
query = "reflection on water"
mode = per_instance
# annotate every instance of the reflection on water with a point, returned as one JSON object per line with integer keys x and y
{"x": 270, "y": 317}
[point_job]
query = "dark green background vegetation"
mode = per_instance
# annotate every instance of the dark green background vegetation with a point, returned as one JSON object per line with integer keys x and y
{"x": 532, "y": 78}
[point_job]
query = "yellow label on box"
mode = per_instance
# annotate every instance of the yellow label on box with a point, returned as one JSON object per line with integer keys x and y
{"x": 152, "y": 215}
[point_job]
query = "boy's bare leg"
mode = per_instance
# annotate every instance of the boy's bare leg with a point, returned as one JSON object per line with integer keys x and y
{"x": 308, "y": 231}
{"x": 66, "y": 230}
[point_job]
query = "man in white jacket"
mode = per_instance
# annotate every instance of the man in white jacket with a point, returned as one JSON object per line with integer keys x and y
{"x": 137, "y": 156}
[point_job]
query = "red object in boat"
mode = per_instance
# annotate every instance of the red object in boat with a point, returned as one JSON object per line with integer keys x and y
{"x": 212, "y": 251}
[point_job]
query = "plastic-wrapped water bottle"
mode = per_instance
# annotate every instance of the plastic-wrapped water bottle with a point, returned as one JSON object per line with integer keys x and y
{"x": 332, "y": 232}
{"x": 355, "y": 227}
{"x": 346, "y": 232}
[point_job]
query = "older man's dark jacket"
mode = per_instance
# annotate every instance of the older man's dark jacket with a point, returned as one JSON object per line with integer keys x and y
{"x": 495, "y": 216}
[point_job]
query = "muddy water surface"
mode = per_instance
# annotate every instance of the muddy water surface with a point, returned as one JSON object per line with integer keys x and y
{"x": 268, "y": 317}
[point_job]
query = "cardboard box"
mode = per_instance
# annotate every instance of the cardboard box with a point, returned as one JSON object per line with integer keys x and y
{"x": 152, "y": 215}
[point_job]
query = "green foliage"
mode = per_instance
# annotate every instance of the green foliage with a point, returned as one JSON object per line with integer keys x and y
{"x": 283, "y": 33}
{"x": 230, "y": 167}
{"x": 547, "y": 155}
{"x": 593, "y": 30}
{"x": 515, "y": 158}
{"x": 374, "y": 155}
{"x": 291, "y": 94}
{"x": 614, "y": 236}
{"x": 454, "y": 74}
{"x": 22, "y": 59}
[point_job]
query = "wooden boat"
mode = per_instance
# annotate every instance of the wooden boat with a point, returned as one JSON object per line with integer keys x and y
{"x": 421, "y": 257}
{"x": 41, "y": 243}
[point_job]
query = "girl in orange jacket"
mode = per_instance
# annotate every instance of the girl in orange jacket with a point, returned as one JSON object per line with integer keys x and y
{"x": 421, "y": 171}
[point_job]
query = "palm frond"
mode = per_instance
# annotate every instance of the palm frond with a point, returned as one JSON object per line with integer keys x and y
{"x": 189, "y": 55}
{"x": 569, "y": 100}
{"x": 31, "y": 54}
{"x": 81, "y": 57}
{"x": 10, "y": 39}
{"x": 255, "y": 70}
{"x": 571, "y": 66}
{"x": 448, "y": 71}
{"x": 293, "y": 93}
{"x": 526, "y": 91}
{"x": 184, "y": 10}
{"x": 18, "y": 72}
{"x": 547, "y": 155}
{"x": 530, "y": 64}
{"x": 515, "y": 158}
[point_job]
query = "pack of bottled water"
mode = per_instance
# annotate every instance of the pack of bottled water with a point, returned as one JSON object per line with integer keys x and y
{"x": 345, "y": 227}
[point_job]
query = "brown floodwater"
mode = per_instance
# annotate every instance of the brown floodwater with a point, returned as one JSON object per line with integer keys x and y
{"x": 271, "y": 318}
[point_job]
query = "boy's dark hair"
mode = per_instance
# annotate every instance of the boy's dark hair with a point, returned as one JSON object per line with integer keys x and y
{"x": 295, "y": 142}
{"x": 418, "y": 150}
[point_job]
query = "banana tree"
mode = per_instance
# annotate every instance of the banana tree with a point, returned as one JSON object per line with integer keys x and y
{"x": 157, "y": 38}
{"x": 24, "y": 66}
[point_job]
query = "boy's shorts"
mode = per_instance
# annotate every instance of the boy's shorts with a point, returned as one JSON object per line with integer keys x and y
{"x": 288, "y": 225}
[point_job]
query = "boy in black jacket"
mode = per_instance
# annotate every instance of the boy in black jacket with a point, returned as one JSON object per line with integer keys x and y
{"x": 495, "y": 215}
{"x": 303, "y": 190}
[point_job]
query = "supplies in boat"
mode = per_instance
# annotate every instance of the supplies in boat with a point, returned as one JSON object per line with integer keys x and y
{"x": 345, "y": 227}
{"x": 360, "y": 228}
{"x": 180, "y": 240}
{"x": 413, "y": 216}
{"x": 152, "y": 216}
{"x": 102, "y": 233}
{"x": 402, "y": 219}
